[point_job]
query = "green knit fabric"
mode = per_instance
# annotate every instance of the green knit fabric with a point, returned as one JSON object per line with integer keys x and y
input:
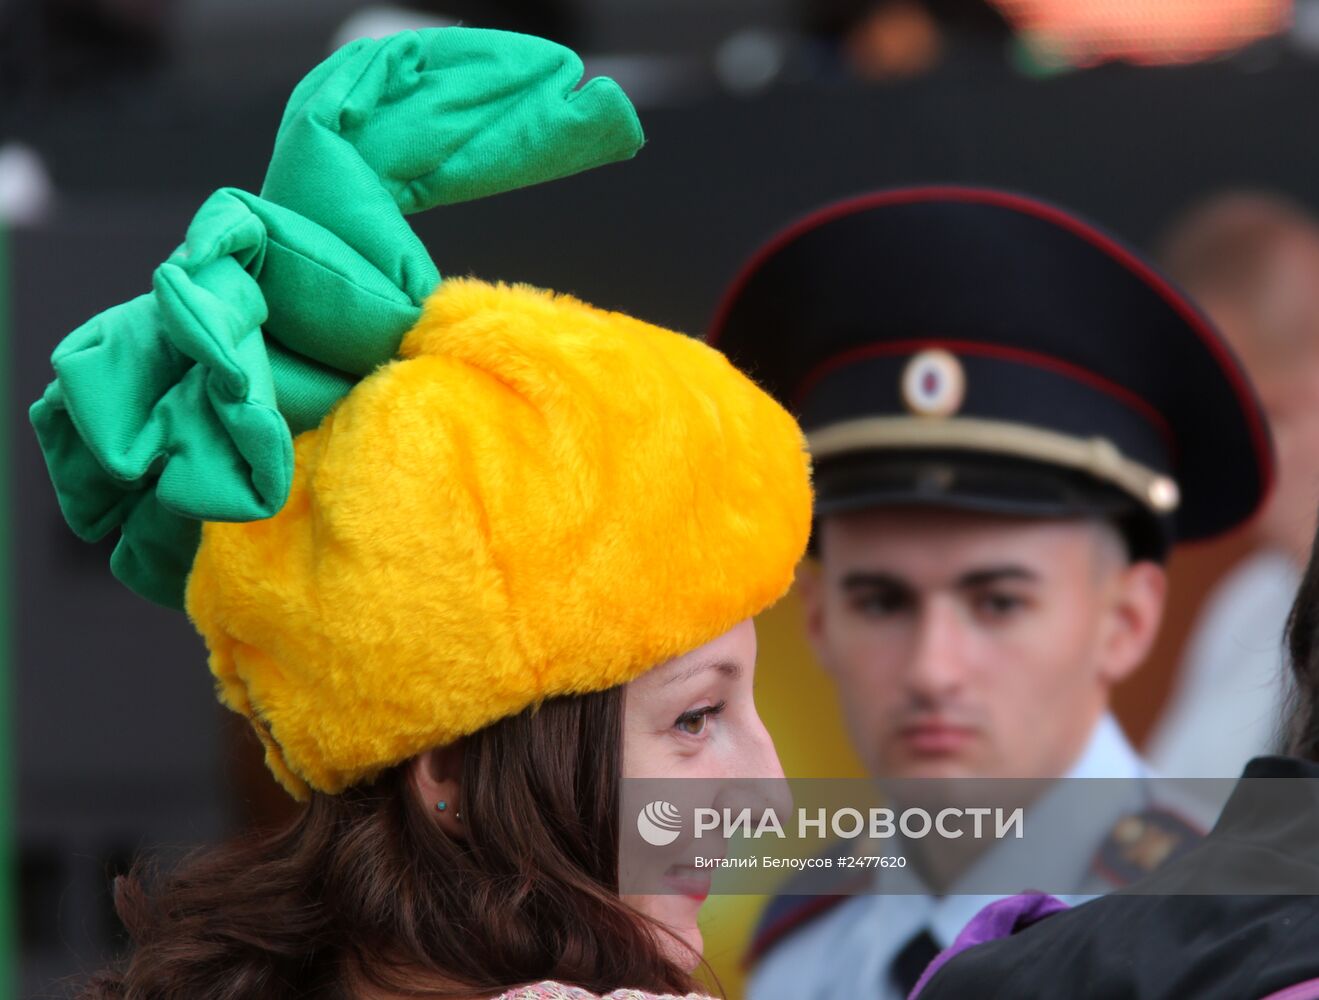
{"x": 180, "y": 406}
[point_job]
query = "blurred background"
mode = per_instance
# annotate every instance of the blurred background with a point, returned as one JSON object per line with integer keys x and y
{"x": 118, "y": 117}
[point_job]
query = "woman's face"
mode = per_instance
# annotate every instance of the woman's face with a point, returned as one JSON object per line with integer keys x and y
{"x": 694, "y": 717}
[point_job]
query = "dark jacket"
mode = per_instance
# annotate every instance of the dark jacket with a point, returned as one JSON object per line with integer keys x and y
{"x": 1145, "y": 943}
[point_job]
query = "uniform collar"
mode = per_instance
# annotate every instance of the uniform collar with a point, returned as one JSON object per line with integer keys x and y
{"x": 1108, "y": 754}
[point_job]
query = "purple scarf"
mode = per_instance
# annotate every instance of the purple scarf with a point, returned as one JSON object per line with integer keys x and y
{"x": 999, "y": 919}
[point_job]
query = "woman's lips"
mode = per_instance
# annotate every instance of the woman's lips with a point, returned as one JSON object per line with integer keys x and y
{"x": 936, "y": 738}
{"x": 691, "y": 882}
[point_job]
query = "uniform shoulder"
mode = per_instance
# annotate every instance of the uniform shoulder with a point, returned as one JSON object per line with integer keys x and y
{"x": 1141, "y": 843}
{"x": 800, "y": 902}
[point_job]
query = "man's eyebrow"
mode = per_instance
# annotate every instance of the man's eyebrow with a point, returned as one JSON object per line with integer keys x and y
{"x": 873, "y": 579}
{"x": 997, "y": 574}
{"x": 728, "y": 668}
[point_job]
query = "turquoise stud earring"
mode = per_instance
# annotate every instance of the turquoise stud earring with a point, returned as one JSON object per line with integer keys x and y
{"x": 441, "y": 805}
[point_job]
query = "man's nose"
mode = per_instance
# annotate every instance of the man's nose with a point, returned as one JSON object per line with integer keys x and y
{"x": 937, "y": 666}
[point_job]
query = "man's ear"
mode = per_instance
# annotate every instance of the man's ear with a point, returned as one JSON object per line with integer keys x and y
{"x": 436, "y": 778}
{"x": 811, "y": 592}
{"x": 1135, "y": 614}
{"x": 810, "y": 588}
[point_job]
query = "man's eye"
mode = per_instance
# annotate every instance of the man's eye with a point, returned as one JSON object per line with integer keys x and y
{"x": 998, "y": 605}
{"x": 882, "y": 602}
{"x": 693, "y": 723}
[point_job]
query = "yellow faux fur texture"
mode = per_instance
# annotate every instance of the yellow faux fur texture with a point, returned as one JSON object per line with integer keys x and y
{"x": 538, "y": 498}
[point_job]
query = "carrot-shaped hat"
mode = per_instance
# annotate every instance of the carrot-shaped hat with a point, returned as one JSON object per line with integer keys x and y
{"x": 399, "y": 509}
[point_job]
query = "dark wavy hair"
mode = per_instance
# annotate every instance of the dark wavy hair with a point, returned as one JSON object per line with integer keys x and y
{"x": 1303, "y": 645}
{"x": 363, "y": 889}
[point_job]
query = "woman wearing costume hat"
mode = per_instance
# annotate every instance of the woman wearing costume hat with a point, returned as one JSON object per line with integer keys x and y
{"x": 466, "y": 555}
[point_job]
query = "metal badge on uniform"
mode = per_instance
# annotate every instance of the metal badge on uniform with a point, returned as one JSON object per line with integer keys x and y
{"x": 1164, "y": 496}
{"x": 933, "y": 384}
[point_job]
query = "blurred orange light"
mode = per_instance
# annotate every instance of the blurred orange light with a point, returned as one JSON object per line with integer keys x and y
{"x": 1086, "y": 32}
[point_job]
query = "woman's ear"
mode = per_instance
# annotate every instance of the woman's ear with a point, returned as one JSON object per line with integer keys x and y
{"x": 436, "y": 778}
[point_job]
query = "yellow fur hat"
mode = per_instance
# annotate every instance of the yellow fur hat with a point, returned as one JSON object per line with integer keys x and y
{"x": 398, "y": 514}
{"x": 538, "y": 498}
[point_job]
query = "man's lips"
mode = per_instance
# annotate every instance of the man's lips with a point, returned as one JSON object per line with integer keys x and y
{"x": 935, "y": 737}
{"x": 691, "y": 882}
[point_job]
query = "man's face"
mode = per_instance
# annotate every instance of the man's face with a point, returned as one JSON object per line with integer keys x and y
{"x": 973, "y": 645}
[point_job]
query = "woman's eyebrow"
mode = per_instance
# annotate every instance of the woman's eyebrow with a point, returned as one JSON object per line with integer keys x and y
{"x": 728, "y": 668}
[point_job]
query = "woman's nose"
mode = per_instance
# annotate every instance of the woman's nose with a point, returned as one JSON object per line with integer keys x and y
{"x": 759, "y": 784}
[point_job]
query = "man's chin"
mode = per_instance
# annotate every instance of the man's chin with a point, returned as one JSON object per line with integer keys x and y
{"x": 922, "y": 767}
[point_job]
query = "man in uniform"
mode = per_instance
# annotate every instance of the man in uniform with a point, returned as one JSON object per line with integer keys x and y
{"x": 1013, "y": 418}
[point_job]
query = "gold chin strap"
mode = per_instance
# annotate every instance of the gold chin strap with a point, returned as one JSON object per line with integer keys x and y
{"x": 1097, "y": 456}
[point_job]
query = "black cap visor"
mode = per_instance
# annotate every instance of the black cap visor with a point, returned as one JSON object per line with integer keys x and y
{"x": 990, "y": 484}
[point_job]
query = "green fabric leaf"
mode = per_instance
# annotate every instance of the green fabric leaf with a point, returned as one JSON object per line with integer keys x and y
{"x": 437, "y": 117}
{"x": 180, "y": 406}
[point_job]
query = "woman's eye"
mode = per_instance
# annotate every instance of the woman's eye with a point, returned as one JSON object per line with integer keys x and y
{"x": 693, "y": 723}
